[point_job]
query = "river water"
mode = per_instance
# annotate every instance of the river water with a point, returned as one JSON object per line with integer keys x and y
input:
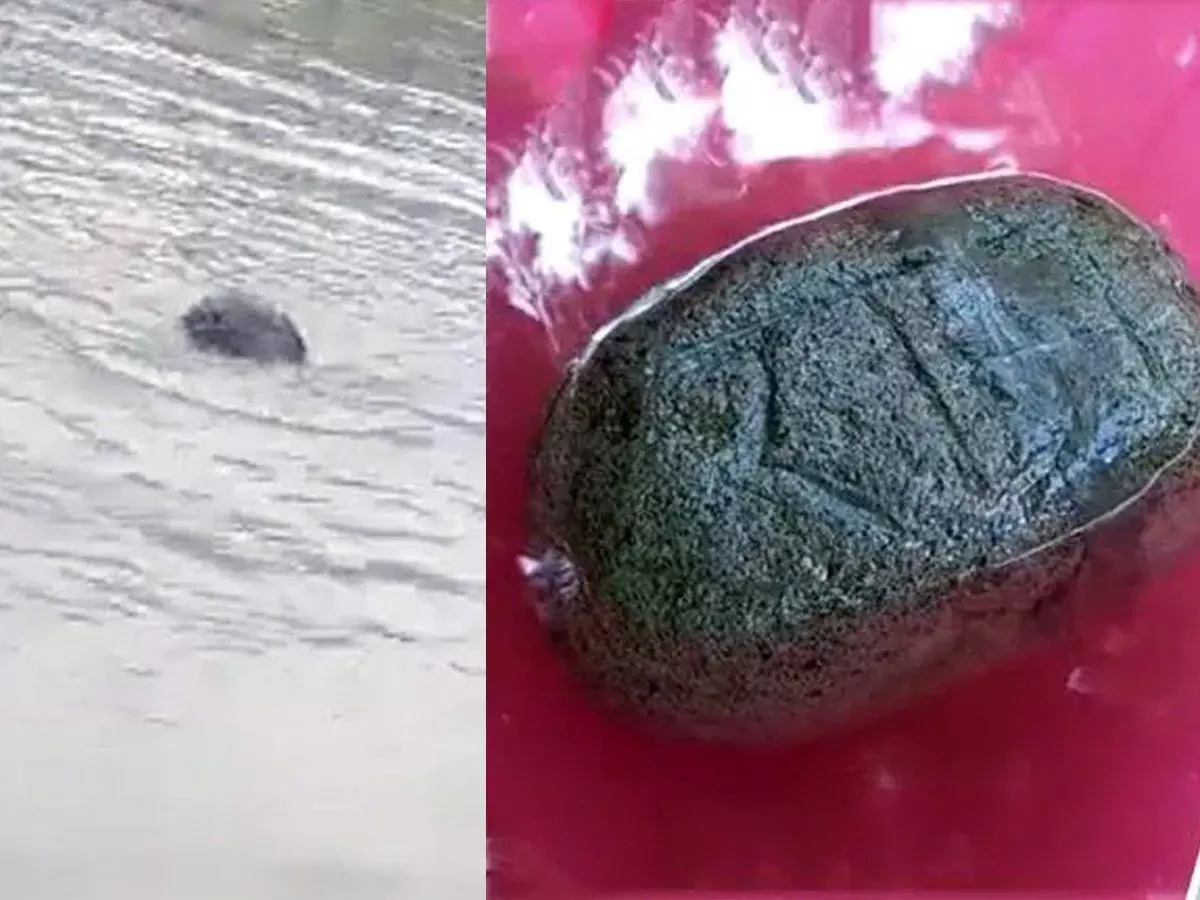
{"x": 241, "y": 609}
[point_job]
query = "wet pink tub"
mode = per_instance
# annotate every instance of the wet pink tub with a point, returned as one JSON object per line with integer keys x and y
{"x": 629, "y": 139}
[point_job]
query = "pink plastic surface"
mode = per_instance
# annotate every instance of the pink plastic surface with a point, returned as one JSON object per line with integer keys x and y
{"x": 622, "y": 150}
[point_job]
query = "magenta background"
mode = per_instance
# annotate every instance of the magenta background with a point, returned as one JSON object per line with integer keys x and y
{"x": 1008, "y": 783}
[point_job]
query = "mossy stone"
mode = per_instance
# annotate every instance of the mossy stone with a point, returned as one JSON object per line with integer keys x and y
{"x": 866, "y": 453}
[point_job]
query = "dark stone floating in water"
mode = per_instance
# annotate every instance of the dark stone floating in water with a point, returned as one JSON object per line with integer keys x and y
{"x": 869, "y": 453}
{"x": 239, "y": 325}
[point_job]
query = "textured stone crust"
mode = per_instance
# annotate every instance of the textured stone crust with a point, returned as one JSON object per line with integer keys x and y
{"x": 236, "y": 324}
{"x": 867, "y": 453}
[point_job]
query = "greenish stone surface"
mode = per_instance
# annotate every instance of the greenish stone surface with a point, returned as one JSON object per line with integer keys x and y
{"x": 864, "y": 453}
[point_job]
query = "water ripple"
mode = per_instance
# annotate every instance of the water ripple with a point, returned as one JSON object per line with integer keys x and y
{"x": 143, "y": 162}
